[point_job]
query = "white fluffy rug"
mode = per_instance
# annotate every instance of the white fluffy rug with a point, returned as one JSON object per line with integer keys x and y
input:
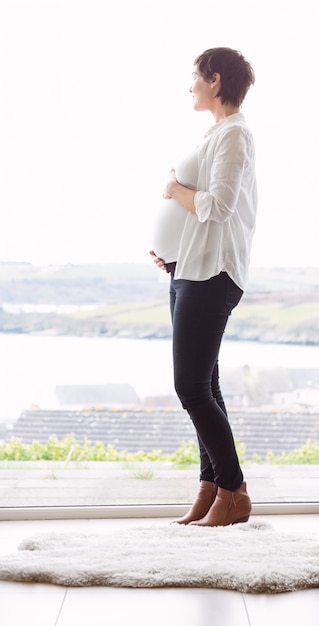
{"x": 250, "y": 557}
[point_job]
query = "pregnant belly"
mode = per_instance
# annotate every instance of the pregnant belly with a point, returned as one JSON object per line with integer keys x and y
{"x": 168, "y": 230}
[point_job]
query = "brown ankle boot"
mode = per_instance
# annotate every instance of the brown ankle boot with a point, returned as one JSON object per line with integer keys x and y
{"x": 229, "y": 507}
{"x": 205, "y": 498}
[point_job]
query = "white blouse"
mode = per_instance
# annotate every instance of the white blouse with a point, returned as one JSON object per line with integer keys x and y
{"x": 218, "y": 237}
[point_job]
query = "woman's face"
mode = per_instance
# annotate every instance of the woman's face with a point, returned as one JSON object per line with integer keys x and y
{"x": 202, "y": 91}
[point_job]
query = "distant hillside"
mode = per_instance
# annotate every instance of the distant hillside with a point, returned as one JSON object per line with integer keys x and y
{"x": 280, "y": 305}
{"x": 76, "y": 284}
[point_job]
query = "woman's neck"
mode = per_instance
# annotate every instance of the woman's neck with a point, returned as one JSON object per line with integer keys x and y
{"x": 220, "y": 111}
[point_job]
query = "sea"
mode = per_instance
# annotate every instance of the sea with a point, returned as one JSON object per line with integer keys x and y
{"x": 31, "y": 366}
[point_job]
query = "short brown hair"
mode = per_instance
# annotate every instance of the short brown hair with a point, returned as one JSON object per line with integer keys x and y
{"x": 235, "y": 71}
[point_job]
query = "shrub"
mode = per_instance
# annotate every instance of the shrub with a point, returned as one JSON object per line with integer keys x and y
{"x": 68, "y": 449}
{"x": 187, "y": 454}
{"x": 306, "y": 454}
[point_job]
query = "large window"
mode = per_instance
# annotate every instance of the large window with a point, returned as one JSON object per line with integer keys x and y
{"x": 95, "y": 111}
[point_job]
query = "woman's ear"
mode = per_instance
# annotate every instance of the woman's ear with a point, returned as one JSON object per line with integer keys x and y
{"x": 215, "y": 79}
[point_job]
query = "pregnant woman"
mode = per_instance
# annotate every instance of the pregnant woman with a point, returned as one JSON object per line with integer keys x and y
{"x": 203, "y": 240}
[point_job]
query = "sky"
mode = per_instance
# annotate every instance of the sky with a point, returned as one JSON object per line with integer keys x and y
{"x": 95, "y": 109}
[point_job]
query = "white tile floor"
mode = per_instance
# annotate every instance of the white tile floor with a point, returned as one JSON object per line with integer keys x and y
{"x": 48, "y": 605}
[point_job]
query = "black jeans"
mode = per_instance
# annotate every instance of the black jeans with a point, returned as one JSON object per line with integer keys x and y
{"x": 200, "y": 310}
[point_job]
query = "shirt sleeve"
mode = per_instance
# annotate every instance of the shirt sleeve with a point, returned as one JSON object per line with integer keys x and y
{"x": 229, "y": 159}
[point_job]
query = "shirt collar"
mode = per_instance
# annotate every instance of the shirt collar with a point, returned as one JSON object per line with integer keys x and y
{"x": 224, "y": 122}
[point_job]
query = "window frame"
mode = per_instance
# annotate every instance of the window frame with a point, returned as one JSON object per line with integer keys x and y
{"x": 141, "y": 511}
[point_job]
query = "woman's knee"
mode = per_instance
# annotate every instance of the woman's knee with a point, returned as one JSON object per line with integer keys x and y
{"x": 193, "y": 394}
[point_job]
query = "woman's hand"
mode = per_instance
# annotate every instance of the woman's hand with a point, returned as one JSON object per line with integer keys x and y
{"x": 181, "y": 194}
{"x": 168, "y": 189}
{"x": 158, "y": 261}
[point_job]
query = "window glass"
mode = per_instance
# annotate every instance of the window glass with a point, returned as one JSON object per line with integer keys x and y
{"x": 96, "y": 109}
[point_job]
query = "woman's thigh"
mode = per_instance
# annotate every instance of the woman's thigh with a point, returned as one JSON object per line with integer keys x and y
{"x": 201, "y": 311}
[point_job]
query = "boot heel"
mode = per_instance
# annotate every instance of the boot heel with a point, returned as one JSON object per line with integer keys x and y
{"x": 241, "y": 520}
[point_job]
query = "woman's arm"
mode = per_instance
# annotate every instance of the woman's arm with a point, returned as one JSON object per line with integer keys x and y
{"x": 183, "y": 195}
{"x": 226, "y": 171}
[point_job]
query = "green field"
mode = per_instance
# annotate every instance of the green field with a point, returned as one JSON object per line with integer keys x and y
{"x": 280, "y": 305}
